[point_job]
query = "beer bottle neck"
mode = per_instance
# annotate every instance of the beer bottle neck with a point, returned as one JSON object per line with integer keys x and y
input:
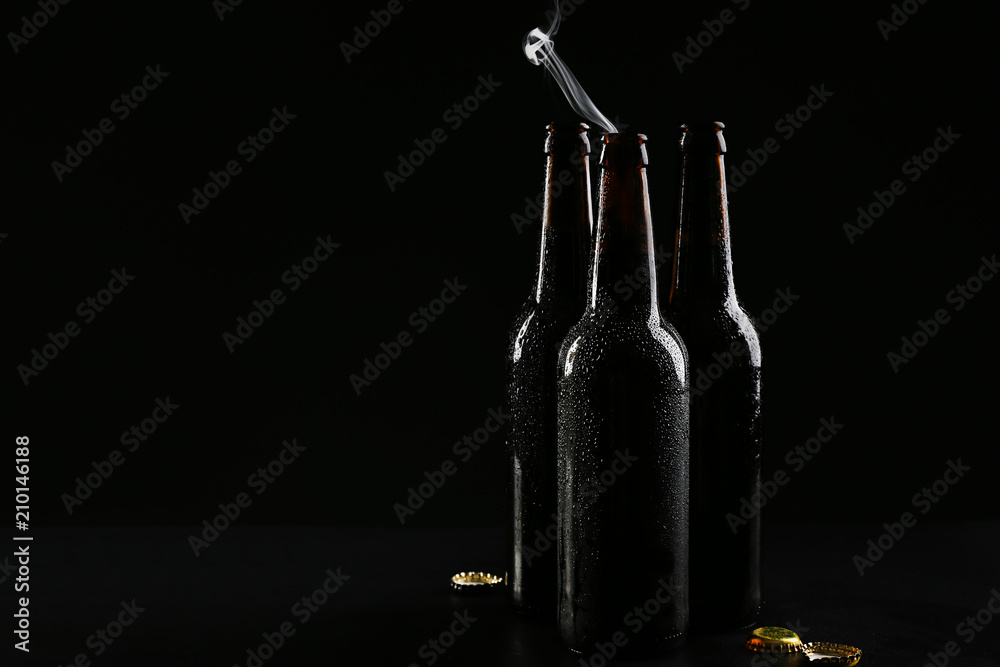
{"x": 623, "y": 268}
{"x": 703, "y": 265}
{"x": 567, "y": 219}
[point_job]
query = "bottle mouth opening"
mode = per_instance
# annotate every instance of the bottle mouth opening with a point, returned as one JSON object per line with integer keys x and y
{"x": 624, "y": 138}
{"x": 702, "y": 137}
{"x": 567, "y": 137}
{"x": 704, "y": 126}
{"x": 566, "y": 126}
{"x": 624, "y": 149}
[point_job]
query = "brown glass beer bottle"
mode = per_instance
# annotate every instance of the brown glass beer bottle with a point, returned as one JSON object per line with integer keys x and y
{"x": 725, "y": 361}
{"x": 623, "y": 437}
{"x": 556, "y": 302}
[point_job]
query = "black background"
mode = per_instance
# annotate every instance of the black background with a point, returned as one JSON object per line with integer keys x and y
{"x": 451, "y": 220}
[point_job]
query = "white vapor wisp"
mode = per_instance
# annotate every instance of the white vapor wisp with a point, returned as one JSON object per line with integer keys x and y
{"x": 540, "y": 50}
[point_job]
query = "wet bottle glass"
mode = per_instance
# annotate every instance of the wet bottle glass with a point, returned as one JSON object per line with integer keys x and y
{"x": 557, "y": 300}
{"x": 623, "y": 437}
{"x": 725, "y": 360}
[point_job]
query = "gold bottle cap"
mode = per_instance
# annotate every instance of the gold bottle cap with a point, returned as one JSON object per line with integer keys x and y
{"x": 475, "y": 581}
{"x": 839, "y": 654}
{"x": 772, "y": 639}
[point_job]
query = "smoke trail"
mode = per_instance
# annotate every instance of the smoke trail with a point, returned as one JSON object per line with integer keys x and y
{"x": 540, "y": 50}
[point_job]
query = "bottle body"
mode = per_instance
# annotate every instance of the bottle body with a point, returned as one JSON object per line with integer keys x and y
{"x": 726, "y": 435}
{"x": 725, "y": 360}
{"x": 531, "y": 460}
{"x": 623, "y": 439}
{"x": 557, "y": 299}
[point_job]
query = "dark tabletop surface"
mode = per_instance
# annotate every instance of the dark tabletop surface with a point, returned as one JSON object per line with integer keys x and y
{"x": 394, "y": 597}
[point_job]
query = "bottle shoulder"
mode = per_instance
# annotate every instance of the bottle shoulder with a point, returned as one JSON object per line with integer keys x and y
{"x": 714, "y": 323}
{"x": 622, "y": 339}
{"x": 539, "y": 328}
{"x": 549, "y": 313}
